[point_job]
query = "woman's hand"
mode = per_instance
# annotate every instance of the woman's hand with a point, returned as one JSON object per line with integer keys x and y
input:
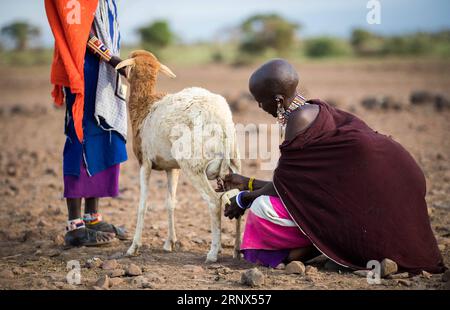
{"x": 233, "y": 180}
{"x": 232, "y": 211}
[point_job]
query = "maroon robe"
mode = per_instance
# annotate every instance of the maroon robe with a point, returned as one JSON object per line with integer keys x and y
{"x": 357, "y": 194}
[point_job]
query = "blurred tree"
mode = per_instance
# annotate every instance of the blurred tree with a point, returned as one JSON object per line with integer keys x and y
{"x": 20, "y": 32}
{"x": 260, "y": 32}
{"x": 365, "y": 42}
{"x": 157, "y": 34}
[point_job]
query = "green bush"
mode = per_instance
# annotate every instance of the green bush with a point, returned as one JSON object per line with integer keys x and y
{"x": 326, "y": 47}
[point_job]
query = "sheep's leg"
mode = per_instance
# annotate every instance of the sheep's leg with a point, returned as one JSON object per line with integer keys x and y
{"x": 215, "y": 213}
{"x": 237, "y": 240}
{"x": 172, "y": 182}
{"x": 208, "y": 194}
{"x": 144, "y": 178}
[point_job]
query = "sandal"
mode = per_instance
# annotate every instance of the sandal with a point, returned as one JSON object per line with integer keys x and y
{"x": 120, "y": 232}
{"x": 87, "y": 237}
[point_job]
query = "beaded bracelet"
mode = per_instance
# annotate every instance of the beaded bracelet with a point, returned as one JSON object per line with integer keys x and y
{"x": 239, "y": 202}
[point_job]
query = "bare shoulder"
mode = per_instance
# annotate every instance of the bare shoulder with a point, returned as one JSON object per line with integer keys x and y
{"x": 301, "y": 119}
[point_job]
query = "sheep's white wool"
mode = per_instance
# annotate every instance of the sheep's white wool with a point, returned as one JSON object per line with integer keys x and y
{"x": 194, "y": 116}
{"x": 200, "y": 123}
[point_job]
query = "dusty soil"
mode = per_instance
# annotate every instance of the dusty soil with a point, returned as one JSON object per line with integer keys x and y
{"x": 33, "y": 213}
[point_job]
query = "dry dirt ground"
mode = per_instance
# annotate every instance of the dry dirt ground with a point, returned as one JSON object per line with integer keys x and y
{"x": 33, "y": 214}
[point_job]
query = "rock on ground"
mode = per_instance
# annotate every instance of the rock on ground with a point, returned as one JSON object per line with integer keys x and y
{"x": 252, "y": 277}
{"x": 110, "y": 264}
{"x": 133, "y": 270}
{"x": 295, "y": 267}
{"x": 6, "y": 274}
{"x": 116, "y": 273}
{"x": 388, "y": 267}
{"x": 103, "y": 282}
{"x": 141, "y": 282}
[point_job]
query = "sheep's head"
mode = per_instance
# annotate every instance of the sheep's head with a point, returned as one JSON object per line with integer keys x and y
{"x": 143, "y": 65}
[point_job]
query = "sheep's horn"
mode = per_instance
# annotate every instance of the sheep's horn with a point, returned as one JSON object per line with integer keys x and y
{"x": 125, "y": 63}
{"x": 164, "y": 69}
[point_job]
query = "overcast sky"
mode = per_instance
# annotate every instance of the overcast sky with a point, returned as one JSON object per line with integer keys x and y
{"x": 195, "y": 20}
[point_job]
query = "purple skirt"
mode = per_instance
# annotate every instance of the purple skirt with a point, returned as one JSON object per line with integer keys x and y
{"x": 268, "y": 258}
{"x": 103, "y": 184}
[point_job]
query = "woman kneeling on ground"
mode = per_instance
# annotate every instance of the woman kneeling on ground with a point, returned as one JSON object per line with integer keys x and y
{"x": 340, "y": 188}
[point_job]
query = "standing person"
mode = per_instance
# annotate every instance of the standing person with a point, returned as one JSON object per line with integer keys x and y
{"x": 87, "y": 46}
{"x": 340, "y": 188}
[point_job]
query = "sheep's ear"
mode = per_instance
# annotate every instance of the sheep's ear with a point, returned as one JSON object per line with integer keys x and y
{"x": 164, "y": 69}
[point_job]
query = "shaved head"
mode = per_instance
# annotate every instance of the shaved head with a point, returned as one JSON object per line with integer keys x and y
{"x": 275, "y": 78}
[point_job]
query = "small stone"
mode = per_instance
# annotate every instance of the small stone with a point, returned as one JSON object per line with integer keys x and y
{"x": 141, "y": 282}
{"x": 280, "y": 266}
{"x": 116, "y": 255}
{"x": 194, "y": 268}
{"x": 116, "y": 273}
{"x": 388, "y": 267}
{"x": 6, "y": 274}
{"x": 404, "y": 282}
{"x": 154, "y": 278}
{"x": 11, "y": 170}
{"x": 361, "y": 273}
{"x": 295, "y": 267}
{"x": 56, "y": 277}
{"x": 446, "y": 276}
{"x": 103, "y": 282}
{"x": 59, "y": 285}
{"x": 94, "y": 262}
{"x": 110, "y": 264}
{"x": 441, "y": 247}
{"x": 42, "y": 223}
{"x": 53, "y": 253}
{"x": 310, "y": 269}
{"x": 115, "y": 282}
{"x": 58, "y": 240}
{"x": 17, "y": 270}
{"x": 403, "y": 275}
{"x": 252, "y": 277}
{"x": 41, "y": 283}
{"x": 426, "y": 274}
{"x": 198, "y": 240}
{"x": 133, "y": 270}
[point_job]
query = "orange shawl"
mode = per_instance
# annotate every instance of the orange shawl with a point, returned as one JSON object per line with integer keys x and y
{"x": 71, "y": 23}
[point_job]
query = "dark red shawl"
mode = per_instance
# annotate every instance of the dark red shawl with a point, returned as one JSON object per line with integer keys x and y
{"x": 357, "y": 194}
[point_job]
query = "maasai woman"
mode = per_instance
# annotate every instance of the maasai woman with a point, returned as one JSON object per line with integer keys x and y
{"x": 87, "y": 43}
{"x": 340, "y": 188}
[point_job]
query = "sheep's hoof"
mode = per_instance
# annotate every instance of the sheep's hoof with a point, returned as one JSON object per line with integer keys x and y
{"x": 211, "y": 258}
{"x": 171, "y": 245}
{"x": 132, "y": 251}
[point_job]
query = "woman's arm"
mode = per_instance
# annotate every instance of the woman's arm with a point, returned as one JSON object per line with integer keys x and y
{"x": 234, "y": 180}
{"x": 267, "y": 190}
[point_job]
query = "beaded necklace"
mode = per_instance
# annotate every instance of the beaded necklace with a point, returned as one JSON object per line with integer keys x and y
{"x": 283, "y": 114}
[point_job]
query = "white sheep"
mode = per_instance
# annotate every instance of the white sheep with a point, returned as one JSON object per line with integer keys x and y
{"x": 160, "y": 124}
